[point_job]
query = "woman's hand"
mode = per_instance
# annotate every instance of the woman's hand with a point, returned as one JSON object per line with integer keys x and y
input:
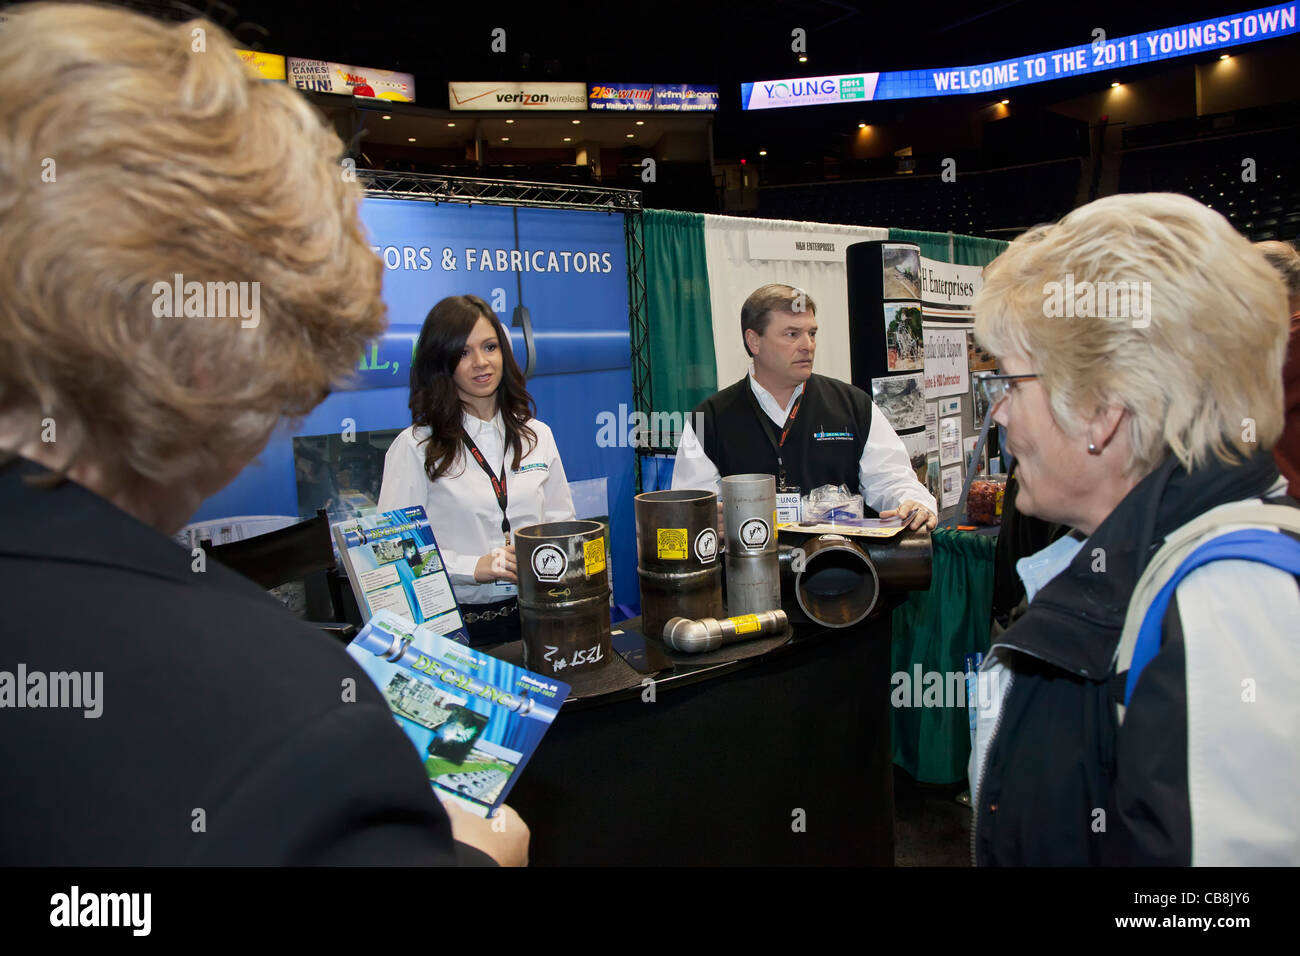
{"x": 497, "y": 565}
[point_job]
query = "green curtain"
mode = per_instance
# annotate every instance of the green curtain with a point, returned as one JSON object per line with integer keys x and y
{"x": 966, "y": 250}
{"x": 683, "y": 369}
{"x": 935, "y": 630}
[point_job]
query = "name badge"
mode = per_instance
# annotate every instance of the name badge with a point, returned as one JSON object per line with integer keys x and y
{"x": 789, "y": 507}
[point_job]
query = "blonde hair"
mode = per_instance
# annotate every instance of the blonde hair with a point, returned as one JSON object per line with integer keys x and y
{"x": 1210, "y": 358}
{"x": 1283, "y": 257}
{"x": 133, "y": 151}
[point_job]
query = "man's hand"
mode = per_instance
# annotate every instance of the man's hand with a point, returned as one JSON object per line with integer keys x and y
{"x": 914, "y": 514}
{"x": 497, "y": 565}
{"x": 507, "y": 843}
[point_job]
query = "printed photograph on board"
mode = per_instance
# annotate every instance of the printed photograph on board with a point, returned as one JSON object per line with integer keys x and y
{"x": 901, "y": 398}
{"x": 980, "y": 360}
{"x": 903, "y": 339}
{"x": 901, "y": 271}
{"x": 916, "y": 444}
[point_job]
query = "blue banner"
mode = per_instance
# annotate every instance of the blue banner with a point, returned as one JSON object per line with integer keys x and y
{"x": 684, "y": 98}
{"x": 567, "y": 269}
{"x": 1100, "y": 54}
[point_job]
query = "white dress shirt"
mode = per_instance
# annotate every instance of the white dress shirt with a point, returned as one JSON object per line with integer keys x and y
{"x": 884, "y": 471}
{"x": 461, "y": 505}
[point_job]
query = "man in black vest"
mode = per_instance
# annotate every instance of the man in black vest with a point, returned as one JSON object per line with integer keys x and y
{"x": 807, "y": 430}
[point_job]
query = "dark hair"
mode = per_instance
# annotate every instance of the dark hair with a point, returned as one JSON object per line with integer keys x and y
{"x": 436, "y": 404}
{"x": 763, "y": 301}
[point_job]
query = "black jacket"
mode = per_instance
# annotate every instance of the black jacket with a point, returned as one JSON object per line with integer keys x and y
{"x": 1059, "y": 785}
{"x": 223, "y": 737}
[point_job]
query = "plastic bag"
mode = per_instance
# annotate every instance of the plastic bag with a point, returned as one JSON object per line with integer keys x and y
{"x": 831, "y": 503}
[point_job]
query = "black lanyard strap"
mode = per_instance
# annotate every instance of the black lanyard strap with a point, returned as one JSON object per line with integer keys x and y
{"x": 768, "y": 426}
{"x": 498, "y": 484}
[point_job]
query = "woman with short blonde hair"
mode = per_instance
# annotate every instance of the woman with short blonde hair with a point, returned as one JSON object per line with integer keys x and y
{"x": 1141, "y": 341}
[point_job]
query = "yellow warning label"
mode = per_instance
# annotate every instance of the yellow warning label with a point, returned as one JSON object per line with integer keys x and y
{"x": 593, "y": 555}
{"x": 672, "y": 544}
{"x": 746, "y": 623}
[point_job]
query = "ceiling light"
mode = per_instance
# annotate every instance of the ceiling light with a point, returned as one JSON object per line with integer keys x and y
{"x": 576, "y": 122}
{"x": 640, "y": 122}
{"x": 568, "y": 139}
{"x": 862, "y": 126}
{"x": 410, "y": 139}
{"x": 386, "y": 116}
{"x": 1115, "y": 85}
{"x": 1005, "y": 102}
{"x": 762, "y": 152}
{"x": 630, "y": 135}
{"x": 1224, "y": 56}
{"x": 451, "y": 124}
{"x": 508, "y": 122}
{"x": 505, "y": 139}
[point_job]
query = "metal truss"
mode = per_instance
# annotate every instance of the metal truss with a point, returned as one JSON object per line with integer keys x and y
{"x": 642, "y": 395}
{"x": 435, "y": 188}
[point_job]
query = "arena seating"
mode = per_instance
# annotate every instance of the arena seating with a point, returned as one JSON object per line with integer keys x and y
{"x": 1211, "y": 171}
{"x": 998, "y": 203}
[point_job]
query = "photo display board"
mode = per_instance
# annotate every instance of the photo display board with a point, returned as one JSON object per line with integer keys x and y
{"x": 911, "y": 335}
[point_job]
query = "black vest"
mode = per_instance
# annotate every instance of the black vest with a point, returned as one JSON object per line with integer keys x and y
{"x": 825, "y": 441}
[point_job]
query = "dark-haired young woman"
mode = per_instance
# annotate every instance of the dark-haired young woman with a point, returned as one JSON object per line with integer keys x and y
{"x": 476, "y": 459}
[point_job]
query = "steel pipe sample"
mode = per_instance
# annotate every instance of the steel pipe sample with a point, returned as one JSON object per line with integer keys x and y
{"x": 709, "y": 634}
{"x": 753, "y": 569}
{"x": 563, "y": 596}
{"x": 838, "y": 585}
{"x": 677, "y": 556}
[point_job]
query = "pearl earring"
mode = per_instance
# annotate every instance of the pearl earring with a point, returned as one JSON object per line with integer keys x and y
{"x": 1093, "y": 449}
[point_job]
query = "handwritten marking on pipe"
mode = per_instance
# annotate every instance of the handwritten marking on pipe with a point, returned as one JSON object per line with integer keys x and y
{"x": 587, "y": 656}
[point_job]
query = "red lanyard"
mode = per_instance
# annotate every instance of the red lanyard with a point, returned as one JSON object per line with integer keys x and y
{"x": 764, "y": 422}
{"x": 498, "y": 484}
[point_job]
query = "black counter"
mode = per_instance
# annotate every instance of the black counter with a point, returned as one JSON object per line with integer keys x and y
{"x": 779, "y": 758}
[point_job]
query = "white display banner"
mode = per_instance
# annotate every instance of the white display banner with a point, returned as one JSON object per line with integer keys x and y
{"x": 323, "y": 76}
{"x": 943, "y": 283}
{"x": 733, "y": 275}
{"x": 947, "y": 370}
{"x": 517, "y": 96}
{"x": 797, "y": 246}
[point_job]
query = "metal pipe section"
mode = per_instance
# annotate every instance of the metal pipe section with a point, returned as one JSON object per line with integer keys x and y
{"x": 677, "y": 557}
{"x": 563, "y": 596}
{"x": 838, "y": 585}
{"x": 753, "y": 568}
{"x": 903, "y": 562}
{"x": 709, "y": 634}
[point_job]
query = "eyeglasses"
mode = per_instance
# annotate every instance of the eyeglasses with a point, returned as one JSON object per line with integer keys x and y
{"x": 994, "y": 388}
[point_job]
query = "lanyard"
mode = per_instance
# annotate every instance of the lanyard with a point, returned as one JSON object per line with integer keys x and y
{"x": 767, "y": 427}
{"x": 498, "y": 484}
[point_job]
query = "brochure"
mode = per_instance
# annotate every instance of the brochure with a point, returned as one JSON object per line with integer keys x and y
{"x": 474, "y": 720}
{"x": 393, "y": 562}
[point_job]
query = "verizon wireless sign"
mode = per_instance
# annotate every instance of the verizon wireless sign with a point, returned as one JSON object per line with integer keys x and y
{"x": 517, "y": 96}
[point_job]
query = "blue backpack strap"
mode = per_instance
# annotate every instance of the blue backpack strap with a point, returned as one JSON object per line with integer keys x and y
{"x": 1255, "y": 544}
